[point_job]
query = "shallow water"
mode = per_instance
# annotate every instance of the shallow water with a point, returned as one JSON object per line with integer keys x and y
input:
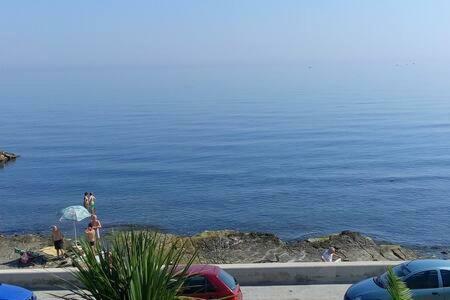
{"x": 289, "y": 150}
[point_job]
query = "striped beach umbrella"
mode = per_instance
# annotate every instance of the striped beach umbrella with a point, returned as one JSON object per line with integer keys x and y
{"x": 75, "y": 213}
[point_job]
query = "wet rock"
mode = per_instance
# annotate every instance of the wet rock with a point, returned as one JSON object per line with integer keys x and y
{"x": 7, "y": 156}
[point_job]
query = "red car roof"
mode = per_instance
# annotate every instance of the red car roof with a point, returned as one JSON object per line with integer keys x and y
{"x": 204, "y": 270}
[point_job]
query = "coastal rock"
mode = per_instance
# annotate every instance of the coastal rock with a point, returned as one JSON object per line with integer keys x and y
{"x": 32, "y": 242}
{"x": 238, "y": 247}
{"x": 353, "y": 246}
{"x": 227, "y": 246}
{"x": 7, "y": 156}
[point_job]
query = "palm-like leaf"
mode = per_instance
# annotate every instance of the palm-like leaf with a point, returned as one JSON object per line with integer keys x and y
{"x": 396, "y": 287}
{"x": 132, "y": 266}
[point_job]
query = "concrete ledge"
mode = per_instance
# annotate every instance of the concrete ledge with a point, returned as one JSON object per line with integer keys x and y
{"x": 46, "y": 279}
{"x": 306, "y": 273}
{"x": 246, "y": 274}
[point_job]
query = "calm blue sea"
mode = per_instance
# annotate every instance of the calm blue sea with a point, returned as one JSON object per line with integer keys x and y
{"x": 292, "y": 150}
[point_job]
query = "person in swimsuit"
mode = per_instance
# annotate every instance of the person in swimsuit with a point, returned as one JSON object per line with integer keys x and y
{"x": 90, "y": 236}
{"x": 96, "y": 225}
{"x": 86, "y": 200}
{"x": 92, "y": 203}
{"x": 58, "y": 240}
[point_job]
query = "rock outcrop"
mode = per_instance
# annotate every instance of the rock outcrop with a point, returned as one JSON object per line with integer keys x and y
{"x": 7, "y": 156}
{"x": 238, "y": 247}
{"x": 33, "y": 242}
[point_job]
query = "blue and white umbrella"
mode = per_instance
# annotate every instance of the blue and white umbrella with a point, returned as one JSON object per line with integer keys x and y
{"x": 75, "y": 213}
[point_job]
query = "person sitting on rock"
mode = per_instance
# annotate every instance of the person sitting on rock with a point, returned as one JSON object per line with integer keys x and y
{"x": 327, "y": 255}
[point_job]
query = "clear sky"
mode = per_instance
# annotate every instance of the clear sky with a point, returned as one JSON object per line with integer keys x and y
{"x": 182, "y": 32}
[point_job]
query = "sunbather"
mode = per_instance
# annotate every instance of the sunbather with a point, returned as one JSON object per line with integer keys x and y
{"x": 58, "y": 240}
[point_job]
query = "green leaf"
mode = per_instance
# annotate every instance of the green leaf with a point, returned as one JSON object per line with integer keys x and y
{"x": 134, "y": 265}
{"x": 396, "y": 288}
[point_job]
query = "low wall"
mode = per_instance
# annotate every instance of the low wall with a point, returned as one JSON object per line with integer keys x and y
{"x": 36, "y": 279}
{"x": 306, "y": 273}
{"x": 246, "y": 274}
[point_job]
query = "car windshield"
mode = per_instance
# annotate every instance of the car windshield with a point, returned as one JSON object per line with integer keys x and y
{"x": 400, "y": 270}
{"x": 228, "y": 280}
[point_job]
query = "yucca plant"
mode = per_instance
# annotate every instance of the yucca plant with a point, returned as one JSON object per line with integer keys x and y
{"x": 134, "y": 265}
{"x": 396, "y": 287}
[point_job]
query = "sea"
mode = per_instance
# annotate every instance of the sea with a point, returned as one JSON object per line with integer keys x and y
{"x": 297, "y": 150}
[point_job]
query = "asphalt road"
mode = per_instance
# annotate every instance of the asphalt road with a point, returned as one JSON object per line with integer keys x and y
{"x": 285, "y": 292}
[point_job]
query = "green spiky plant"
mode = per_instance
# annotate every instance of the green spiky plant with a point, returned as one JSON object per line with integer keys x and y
{"x": 134, "y": 265}
{"x": 396, "y": 288}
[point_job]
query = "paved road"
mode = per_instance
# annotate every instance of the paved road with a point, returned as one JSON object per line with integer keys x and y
{"x": 286, "y": 292}
{"x": 296, "y": 292}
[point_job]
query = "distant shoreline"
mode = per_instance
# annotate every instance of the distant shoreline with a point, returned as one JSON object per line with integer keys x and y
{"x": 108, "y": 228}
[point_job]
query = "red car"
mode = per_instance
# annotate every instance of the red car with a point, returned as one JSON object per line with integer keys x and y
{"x": 211, "y": 282}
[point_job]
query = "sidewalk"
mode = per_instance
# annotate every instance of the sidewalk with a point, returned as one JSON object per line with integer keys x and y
{"x": 286, "y": 292}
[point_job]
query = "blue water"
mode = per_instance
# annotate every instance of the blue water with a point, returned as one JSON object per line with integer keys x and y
{"x": 295, "y": 151}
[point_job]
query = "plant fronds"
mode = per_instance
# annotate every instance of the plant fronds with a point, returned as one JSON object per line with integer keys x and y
{"x": 396, "y": 288}
{"x": 134, "y": 265}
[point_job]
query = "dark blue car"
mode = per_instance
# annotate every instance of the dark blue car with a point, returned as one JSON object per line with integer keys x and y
{"x": 12, "y": 292}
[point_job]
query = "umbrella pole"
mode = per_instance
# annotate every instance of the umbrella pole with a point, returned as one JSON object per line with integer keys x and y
{"x": 75, "y": 228}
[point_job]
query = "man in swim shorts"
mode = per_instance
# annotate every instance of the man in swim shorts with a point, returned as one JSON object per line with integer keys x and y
{"x": 58, "y": 240}
{"x": 90, "y": 235}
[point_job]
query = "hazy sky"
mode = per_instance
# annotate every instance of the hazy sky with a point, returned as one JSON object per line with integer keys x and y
{"x": 170, "y": 32}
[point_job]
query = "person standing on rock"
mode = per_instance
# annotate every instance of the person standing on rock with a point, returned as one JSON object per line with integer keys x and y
{"x": 327, "y": 255}
{"x": 86, "y": 200}
{"x": 58, "y": 240}
{"x": 92, "y": 203}
{"x": 96, "y": 225}
{"x": 90, "y": 235}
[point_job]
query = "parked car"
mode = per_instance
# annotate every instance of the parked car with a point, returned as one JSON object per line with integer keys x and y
{"x": 428, "y": 279}
{"x": 211, "y": 282}
{"x": 12, "y": 292}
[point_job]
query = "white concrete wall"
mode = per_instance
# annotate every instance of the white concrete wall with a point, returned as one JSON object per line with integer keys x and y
{"x": 51, "y": 278}
{"x": 305, "y": 273}
{"x": 246, "y": 274}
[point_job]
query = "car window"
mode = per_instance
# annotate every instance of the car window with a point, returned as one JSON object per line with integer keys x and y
{"x": 423, "y": 280}
{"x": 228, "y": 280}
{"x": 197, "y": 285}
{"x": 401, "y": 270}
{"x": 445, "y": 278}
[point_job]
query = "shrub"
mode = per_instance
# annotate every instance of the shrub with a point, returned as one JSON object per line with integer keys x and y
{"x": 134, "y": 265}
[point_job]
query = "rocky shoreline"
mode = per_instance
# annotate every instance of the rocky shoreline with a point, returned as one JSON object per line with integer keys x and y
{"x": 237, "y": 247}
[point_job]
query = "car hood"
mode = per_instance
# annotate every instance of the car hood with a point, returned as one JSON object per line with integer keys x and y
{"x": 367, "y": 289}
{"x": 14, "y": 292}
